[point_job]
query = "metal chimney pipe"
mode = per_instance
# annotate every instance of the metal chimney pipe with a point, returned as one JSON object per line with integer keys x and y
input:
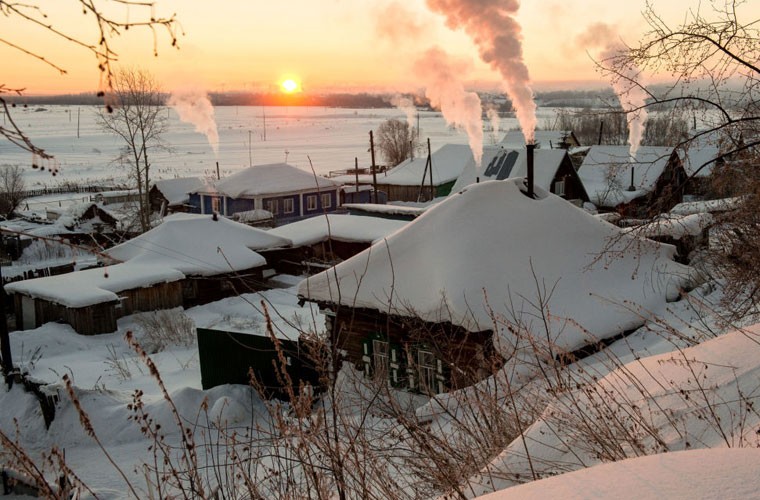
{"x": 530, "y": 148}
{"x": 632, "y": 187}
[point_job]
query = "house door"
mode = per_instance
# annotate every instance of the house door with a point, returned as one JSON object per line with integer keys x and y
{"x": 29, "y": 319}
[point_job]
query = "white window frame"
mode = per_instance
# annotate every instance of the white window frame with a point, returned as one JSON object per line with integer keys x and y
{"x": 273, "y": 206}
{"x": 559, "y": 187}
{"x": 326, "y": 200}
{"x": 311, "y": 202}
{"x": 427, "y": 371}
{"x": 288, "y": 206}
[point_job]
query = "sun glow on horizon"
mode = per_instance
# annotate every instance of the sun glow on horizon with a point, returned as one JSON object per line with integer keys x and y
{"x": 290, "y": 86}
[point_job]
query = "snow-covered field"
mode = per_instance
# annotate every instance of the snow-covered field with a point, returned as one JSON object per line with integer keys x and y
{"x": 331, "y": 137}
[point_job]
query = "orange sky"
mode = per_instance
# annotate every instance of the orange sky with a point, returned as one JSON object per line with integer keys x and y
{"x": 326, "y": 44}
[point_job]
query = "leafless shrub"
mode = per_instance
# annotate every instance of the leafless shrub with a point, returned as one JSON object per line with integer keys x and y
{"x": 165, "y": 328}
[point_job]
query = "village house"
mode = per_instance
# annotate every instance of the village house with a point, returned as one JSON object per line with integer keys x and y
{"x": 185, "y": 261}
{"x": 645, "y": 185}
{"x": 321, "y": 242}
{"x": 553, "y": 171}
{"x": 411, "y": 179}
{"x": 486, "y": 257}
{"x": 287, "y": 192}
{"x": 168, "y": 196}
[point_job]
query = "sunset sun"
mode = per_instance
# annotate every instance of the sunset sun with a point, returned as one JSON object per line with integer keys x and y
{"x": 289, "y": 86}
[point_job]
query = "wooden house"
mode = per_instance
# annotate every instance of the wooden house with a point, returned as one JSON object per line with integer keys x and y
{"x": 92, "y": 300}
{"x": 553, "y": 171}
{"x": 218, "y": 257}
{"x": 287, "y": 192}
{"x": 321, "y": 242}
{"x": 168, "y": 196}
{"x": 410, "y": 180}
{"x": 436, "y": 305}
{"x": 543, "y": 139}
{"x": 642, "y": 186}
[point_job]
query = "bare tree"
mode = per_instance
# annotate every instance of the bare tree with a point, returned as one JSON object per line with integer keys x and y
{"x": 714, "y": 56}
{"x": 138, "y": 14}
{"x": 138, "y": 119}
{"x": 396, "y": 140}
{"x": 11, "y": 189}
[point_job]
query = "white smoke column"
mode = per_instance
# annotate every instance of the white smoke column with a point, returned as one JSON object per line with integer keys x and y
{"x": 406, "y": 105}
{"x": 493, "y": 116}
{"x": 493, "y": 28}
{"x": 446, "y": 92}
{"x": 631, "y": 96}
{"x": 193, "y": 106}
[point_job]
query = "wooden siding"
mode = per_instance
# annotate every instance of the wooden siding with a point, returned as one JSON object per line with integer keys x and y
{"x": 467, "y": 356}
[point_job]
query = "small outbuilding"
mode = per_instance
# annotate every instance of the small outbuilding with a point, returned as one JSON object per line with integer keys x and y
{"x": 168, "y": 196}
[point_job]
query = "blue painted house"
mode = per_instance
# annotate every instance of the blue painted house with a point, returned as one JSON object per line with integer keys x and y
{"x": 287, "y": 192}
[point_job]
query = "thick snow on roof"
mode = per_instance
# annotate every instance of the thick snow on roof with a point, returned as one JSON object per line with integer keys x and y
{"x": 94, "y": 286}
{"x": 545, "y": 139}
{"x": 713, "y": 473}
{"x": 707, "y": 206}
{"x": 500, "y": 163}
{"x": 448, "y": 163}
{"x": 487, "y": 241}
{"x": 177, "y": 191}
{"x": 698, "y": 161}
{"x": 389, "y": 209}
{"x": 606, "y": 172}
{"x": 271, "y": 179}
{"x": 349, "y": 228}
{"x": 674, "y": 226}
{"x": 199, "y": 245}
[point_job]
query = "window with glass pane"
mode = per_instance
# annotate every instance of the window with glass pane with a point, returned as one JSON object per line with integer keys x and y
{"x": 426, "y": 366}
{"x": 380, "y": 358}
{"x": 326, "y": 201}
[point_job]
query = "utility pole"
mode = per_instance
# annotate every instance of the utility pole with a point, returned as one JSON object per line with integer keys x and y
{"x": 374, "y": 168}
{"x": 250, "y": 158}
{"x": 5, "y": 341}
{"x": 264, "y": 112}
{"x": 430, "y": 160}
{"x": 78, "y": 111}
{"x": 356, "y": 172}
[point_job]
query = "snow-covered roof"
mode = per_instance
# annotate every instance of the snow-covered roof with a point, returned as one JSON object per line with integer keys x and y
{"x": 707, "y": 206}
{"x": 349, "y": 228}
{"x": 273, "y": 178}
{"x": 448, "y": 163}
{"x": 387, "y": 209}
{"x": 199, "y": 245}
{"x": 94, "y": 286}
{"x": 698, "y": 161}
{"x": 606, "y": 172}
{"x": 356, "y": 188}
{"x": 674, "y": 226}
{"x": 482, "y": 246}
{"x": 544, "y": 139}
{"x": 177, "y": 191}
{"x": 500, "y": 163}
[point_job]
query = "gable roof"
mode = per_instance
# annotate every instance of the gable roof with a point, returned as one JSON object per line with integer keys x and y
{"x": 274, "y": 178}
{"x": 177, "y": 191}
{"x": 349, "y": 228}
{"x": 484, "y": 250}
{"x": 606, "y": 172}
{"x": 544, "y": 139}
{"x": 448, "y": 163}
{"x": 501, "y": 163}
{"x": 199, "y": 245}
{"x": 698, "y": 160}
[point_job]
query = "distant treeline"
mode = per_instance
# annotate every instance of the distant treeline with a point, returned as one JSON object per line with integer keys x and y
{"x": 561, "y": 98}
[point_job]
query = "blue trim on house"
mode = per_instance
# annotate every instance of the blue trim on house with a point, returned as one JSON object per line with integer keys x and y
{"x": 333, "y": 194}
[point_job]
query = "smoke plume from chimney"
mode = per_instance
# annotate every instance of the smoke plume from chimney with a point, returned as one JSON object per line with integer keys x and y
{"x": 405, "y": 104}
{"x": 440, "y": 76}
{"x": 193, "y": 106}
{"x": 493, "y": 28}
{"x": 631, "y": 96}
